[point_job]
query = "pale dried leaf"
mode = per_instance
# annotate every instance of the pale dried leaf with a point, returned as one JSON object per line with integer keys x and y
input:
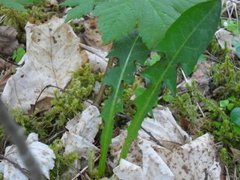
{"x": 75, "y": 143}
{"x": 128, "y": 171}
{"x": 97, "y": 60}
{"x": 224, "y": 37}
{"x": 227, "y": 40}
{"x": 154, "y": 167}
{"x": 86, "y": 124}
{"x": 42, "y": 153}
{"x": 52, "y": 2}
{"x": 161, "y": 144}
{"x": 82, "y": 131}
{"x": 164, "y": 127}
{"x": 214, "y": 171}
{"x": 193, "y": 160}
{"x": 52, "y": 54}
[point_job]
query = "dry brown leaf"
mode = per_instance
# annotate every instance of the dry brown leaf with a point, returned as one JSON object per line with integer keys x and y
{"x": 92, "y": 36}
{"x": 8, "y": 41}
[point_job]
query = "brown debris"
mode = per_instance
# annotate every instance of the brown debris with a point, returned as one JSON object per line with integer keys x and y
{"x": 8, "y": 41}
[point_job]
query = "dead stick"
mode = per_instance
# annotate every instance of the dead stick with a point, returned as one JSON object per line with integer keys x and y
{"x": 17, "y": 137}
{"x": 102, "y": 88}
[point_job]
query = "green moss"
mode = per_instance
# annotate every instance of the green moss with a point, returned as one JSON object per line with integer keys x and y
{"x": 215, "y": 49}
{"x": 216, "y": 119}
{"x": 185, "y": 107}
{"x": 225, "y": 156}
{"x": 18, "y": 19}
{"x": 64, "y": 105}
{"x": 14, "y": 18}
{"x": 226, "y": 79}
{"x": 63, "y": 162}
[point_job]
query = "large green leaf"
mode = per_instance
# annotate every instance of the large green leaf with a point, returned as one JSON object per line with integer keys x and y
{"x": 183, "y": 43}
{"x": 18, "y": 4}
{"x": 152, "y": 17}
{"x": 128, "y": 51}
{"x": 80, "y": 8}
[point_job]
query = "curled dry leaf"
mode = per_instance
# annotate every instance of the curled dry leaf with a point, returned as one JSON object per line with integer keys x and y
{"x": 128, "y": 171}
{"x": 164, "y": 150}
{"x": 192, "y": 160}
{"x": 8, "y": 41}
{"x": 164, "y": 127}
{"x": 53, "y": 53}
{"x": 86, "y": 124}
{"x": 75, "y": 143}
{"x": 227, "y": 40}
{"x": 82, "y": 131}
{"x": 43, "y": 154}
{"x": 153, "y": 166}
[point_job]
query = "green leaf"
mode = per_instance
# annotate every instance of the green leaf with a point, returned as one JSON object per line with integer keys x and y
{"x": 80, "y": 8}
{"x": 183, "y": 43}
{"x": 18, "y": 4}
{"x": 116, "y": 18}
{"x": 235, "y": 116}
{"x": 129, "y": 51}
{"x": 152, "y": 18}
{"x": 224, "y": 103}
{"x": 18, "y": 54}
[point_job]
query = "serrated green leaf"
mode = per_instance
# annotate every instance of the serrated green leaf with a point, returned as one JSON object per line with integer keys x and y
{"x": 183, "y": 43}
{"x": 18, "y": 4}
{"x": 128, "y": 51}
{"x": 72, "y": 3}
{"x": 116, "y": 19}
{"x": 80, "y": 8}
{"x": 235, "y": 116}
{"x": 153, "y": 18}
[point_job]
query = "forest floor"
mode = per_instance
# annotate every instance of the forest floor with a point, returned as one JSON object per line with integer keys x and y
{"x": 203, "y": 116}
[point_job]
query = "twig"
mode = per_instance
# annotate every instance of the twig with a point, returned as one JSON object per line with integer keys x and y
{"x": 200, "y": 109}
{"x": 17, "y": 137}
{"x": 152, "y": 137}
{"x": 102, "y": 88}
{"x": 227, "y": 173}
{"x": 54, "y": 136}
{"x": 187, "y": 81}
{"x": 48, "y": 86}
{"x": 83, "y": 170}
{"x": 10, "y": 62}
{"x": 92, "y": 50}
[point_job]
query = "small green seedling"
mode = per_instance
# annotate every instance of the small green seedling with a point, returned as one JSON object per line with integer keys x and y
{"x": 18, "y": 54}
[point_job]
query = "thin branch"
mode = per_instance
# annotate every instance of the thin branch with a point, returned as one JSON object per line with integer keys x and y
{"x": 46, "y": 87}
{"x": 17, "y": 137}
{"x": 93, "y": 50}
{"x": 83, "y": 170}
{"x": 152, "y": 137}
{"x": 103, "y": 87}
